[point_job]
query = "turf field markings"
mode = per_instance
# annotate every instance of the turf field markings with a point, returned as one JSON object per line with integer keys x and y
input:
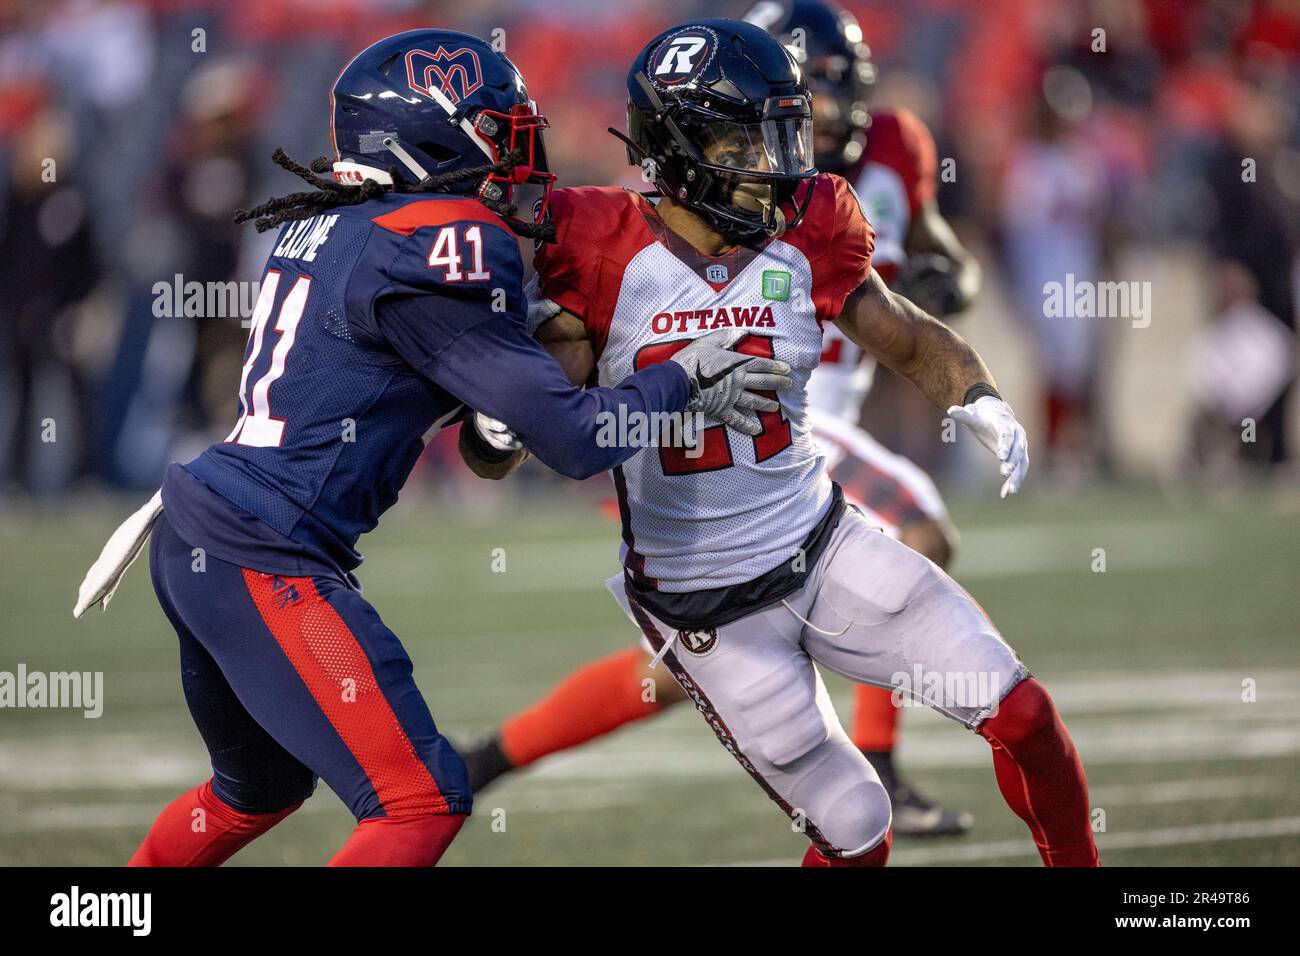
{"x": 82, "y": 817}
{"x": 582, "y": 564}
{"x": 1181, "y": 791}
{"x": 686, "y": 754}
{"x": 560, "y": 797}
{"x": 1050, "y": 547}
{"x": 1097, "y": 691}
{"x": 1106, "y": 843}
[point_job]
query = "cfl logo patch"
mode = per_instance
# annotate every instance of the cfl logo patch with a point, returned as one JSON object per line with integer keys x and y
{"x": 682, "y": 56}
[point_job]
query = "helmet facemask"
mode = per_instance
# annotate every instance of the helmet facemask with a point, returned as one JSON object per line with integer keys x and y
{"x": 755, "y": 169}
{"x": 516, "y": 134}
{"x": 742, "y": 177}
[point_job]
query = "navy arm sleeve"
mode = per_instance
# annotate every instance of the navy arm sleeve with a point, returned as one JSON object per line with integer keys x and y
{"x": 496, "y": 367}
{"x": 468, "y": 336}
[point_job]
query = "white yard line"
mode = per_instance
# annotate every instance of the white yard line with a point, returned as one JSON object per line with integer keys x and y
{"x": 1117, "y": 718}
{"x": 1106, "y": 842}
{"x": 1114, "y": 744}
{"x": 1182, "y": 791}
{"x": 96, "y": 816}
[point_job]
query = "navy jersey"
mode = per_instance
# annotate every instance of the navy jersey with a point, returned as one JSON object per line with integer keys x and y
{"x": 375, "y": 325}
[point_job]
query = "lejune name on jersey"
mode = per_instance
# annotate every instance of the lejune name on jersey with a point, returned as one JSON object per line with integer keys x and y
{"x": 302, "y": 240}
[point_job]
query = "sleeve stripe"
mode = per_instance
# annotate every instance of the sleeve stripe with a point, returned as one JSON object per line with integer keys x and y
{"x": 436, "y": 212}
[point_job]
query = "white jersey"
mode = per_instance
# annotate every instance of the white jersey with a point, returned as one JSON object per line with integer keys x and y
{"x": 739, "y": 505}
{"x": 893, "y": 179}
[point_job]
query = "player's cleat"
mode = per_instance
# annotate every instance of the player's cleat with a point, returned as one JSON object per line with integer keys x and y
{"x": 485, "y": 762}
{"x": 914, "y": 815}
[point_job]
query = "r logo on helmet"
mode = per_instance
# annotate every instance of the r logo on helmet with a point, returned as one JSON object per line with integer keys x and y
{"x": 683, "y": 56}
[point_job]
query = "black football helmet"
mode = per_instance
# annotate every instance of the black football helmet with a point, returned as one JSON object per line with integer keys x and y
{"x": 720, "y": 119}
{"x": 826, "y": 41}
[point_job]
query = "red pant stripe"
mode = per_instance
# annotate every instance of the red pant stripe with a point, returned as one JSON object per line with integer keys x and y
{"x": 334, "y": 667}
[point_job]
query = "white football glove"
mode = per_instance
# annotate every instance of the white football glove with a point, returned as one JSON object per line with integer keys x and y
{"x": 496, "y": 433}
{"x": 723, "y": 382}
{"x": 540, "y": 310}
{"x": 995, "y": 425}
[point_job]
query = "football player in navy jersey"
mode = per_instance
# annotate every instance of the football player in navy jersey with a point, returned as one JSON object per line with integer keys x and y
{"x": 391, "y": 305}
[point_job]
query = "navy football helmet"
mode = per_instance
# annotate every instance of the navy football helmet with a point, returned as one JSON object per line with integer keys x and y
{"x": 430, "y": 102}
{"x": 826, "y": 41}
{"x": 719, "y": 116}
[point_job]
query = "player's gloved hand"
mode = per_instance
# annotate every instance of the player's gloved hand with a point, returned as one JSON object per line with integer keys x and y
{"x": 930, "y": 280}
{"x": 489, "y": 447}
{"x": 496, "y": 434}
{"x": 995, "y": 425}
{"x": 540, "y": 310}
{"x": 723, "y": 382}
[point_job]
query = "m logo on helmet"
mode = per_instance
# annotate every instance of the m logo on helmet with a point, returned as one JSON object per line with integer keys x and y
{"x": 455, "y": 74}
{"x": 682, "y": 56}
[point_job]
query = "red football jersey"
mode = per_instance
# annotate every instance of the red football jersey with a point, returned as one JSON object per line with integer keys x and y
{"x": 736, "y": 506}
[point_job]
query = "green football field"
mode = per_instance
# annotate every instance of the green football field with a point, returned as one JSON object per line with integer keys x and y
{"x": 1177, "y": 670}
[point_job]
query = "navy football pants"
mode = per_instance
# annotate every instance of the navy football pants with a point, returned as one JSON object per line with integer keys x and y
{"x": 294, "y": 678}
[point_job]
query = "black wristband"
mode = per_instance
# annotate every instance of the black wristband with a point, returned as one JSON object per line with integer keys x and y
{"x": 978, "y": 391}
{"x": 478, "y": 445}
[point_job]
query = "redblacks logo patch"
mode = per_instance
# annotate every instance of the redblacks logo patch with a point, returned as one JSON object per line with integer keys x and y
{"x": 705, "y": 320}
{"x": 698, "y": 643}
{"x": 682, "y": 56}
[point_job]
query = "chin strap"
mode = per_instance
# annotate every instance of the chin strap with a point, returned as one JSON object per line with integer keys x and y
{"x": 354, "y": 174}
{"x": 406, "y": 159}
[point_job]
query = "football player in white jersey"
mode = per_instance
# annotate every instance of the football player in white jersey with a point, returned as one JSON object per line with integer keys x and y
{"x": 743, "y": 565}
{"x": 889, "y": 156}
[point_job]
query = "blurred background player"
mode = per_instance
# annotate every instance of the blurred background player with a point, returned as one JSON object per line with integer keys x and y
{"x": 889, "y": 157}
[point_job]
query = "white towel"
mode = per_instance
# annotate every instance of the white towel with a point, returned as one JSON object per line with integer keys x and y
{"x": 122, "y": 548}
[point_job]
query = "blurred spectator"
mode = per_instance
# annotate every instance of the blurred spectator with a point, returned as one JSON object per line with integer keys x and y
{"x": 1242, "y": 364}
{"x": 1055, "y": 203}
{"x": 168, "y": 137}
{"x": 209, "y": 170}
{"x": 47, "y": 265}
{"x": 1253, "y": 236}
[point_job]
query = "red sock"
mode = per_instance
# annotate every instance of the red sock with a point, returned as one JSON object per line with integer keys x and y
{"x": 198, "y": 829}
{"x": 418, "y": 840}
{"x": 878, "y": 855}
{"x": 875, "y": 719}
{"x": 593, "y": 700}
{"x": 1040, "y": 775}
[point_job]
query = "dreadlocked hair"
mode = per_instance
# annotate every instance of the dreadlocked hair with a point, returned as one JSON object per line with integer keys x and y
{"x": 329, "y": 194}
